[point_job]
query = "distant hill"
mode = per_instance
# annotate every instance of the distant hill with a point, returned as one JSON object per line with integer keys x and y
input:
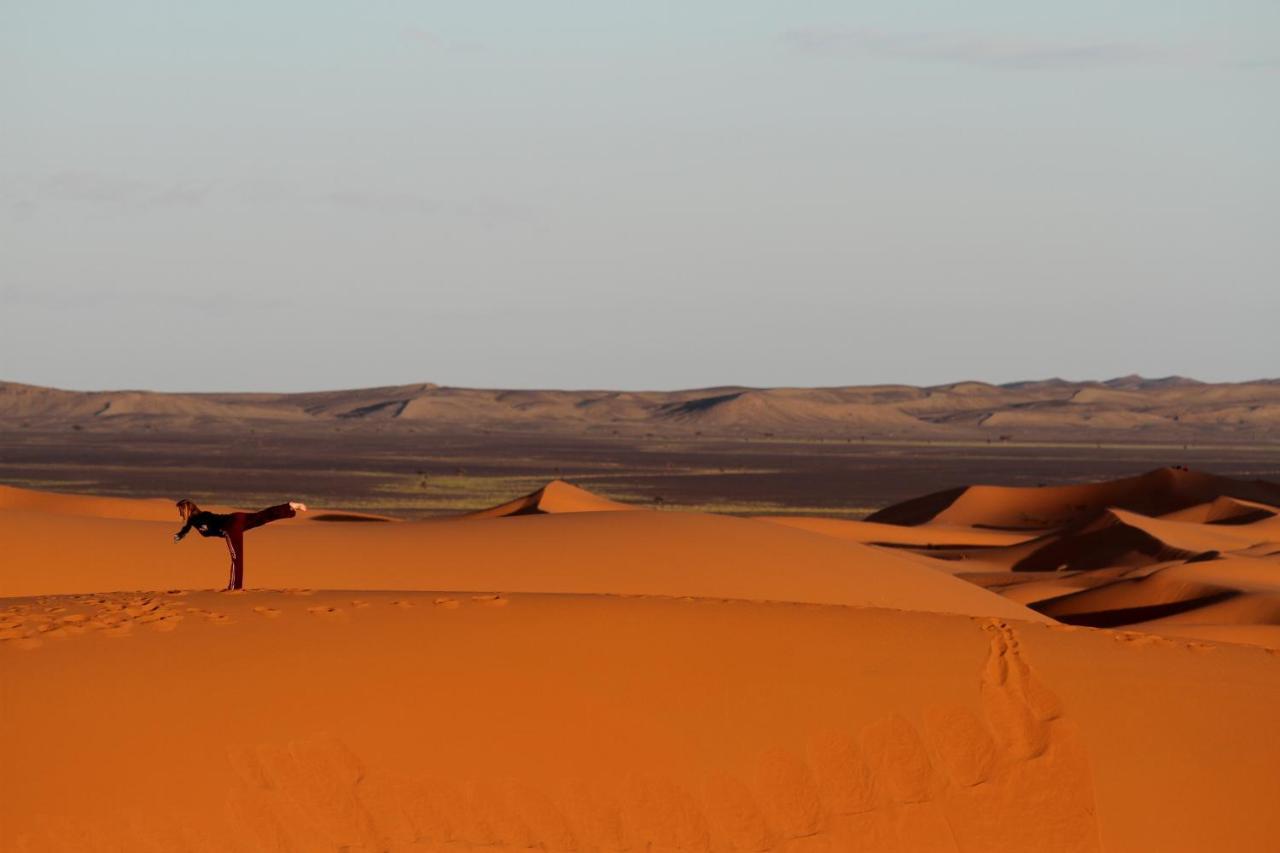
{"x": 1128, "y": 408}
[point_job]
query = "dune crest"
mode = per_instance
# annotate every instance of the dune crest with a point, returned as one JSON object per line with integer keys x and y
{"x": 556, "y": 496}
{"x": 1158, "y": 492}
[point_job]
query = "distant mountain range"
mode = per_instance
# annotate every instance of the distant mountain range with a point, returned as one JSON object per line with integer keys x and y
{"x": 1128, "y": 408}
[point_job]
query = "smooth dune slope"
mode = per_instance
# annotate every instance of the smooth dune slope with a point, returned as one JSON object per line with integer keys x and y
{"x": 1223, "y": 511}
{"x": 556, "y": 496}
{"x": 552, "y": 677}
{"x": 924, "y": 536}
{"x": 1040, "y": 508}
{"x": 643, "y": 553}
{"x": 437, "y": 721}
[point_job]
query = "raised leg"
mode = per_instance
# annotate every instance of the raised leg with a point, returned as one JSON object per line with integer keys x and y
{"x": 265, "y": 516}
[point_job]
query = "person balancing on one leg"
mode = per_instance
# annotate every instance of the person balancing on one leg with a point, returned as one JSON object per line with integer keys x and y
{"x": 231, "y": 527}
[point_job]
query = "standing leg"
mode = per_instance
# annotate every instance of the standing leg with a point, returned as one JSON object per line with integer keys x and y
{"x": 235, "y": 547}
{"x": 238, "y": 582}
{"x": 231, "y": 552}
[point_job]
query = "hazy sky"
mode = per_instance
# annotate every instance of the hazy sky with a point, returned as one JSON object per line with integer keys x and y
{"x": 299, "y": 195}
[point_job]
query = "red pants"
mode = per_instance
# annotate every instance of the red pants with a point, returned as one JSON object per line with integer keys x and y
{"x": 234, "y": 535}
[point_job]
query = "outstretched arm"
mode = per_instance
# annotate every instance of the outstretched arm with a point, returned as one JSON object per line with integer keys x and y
{"x": 186, "y": 528}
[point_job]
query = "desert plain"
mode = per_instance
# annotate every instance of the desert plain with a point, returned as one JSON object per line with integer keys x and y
{"x": 971, "y": 618}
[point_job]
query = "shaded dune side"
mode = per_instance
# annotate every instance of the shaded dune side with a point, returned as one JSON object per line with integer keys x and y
{"x": 1126, "y": 602}
{"x": 1039, "y": 508}
{"x": 1208, "y": 590}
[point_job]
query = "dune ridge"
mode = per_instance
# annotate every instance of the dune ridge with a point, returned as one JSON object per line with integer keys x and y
{"x": 1170, "y": 551}
{"x": 1157, "y": 492}
{"x": 556, "y": 496}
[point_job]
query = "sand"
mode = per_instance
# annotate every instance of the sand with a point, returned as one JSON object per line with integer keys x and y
{"x": 551, "y": 676}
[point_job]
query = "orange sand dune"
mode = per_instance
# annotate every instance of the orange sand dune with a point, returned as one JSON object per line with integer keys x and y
{"x": 1041, "y": 508}
{"x": 643, "y": 553}
{"x": 556, "y": 496}
{"x": 1125, "y": 602}
{"x": 1120, "y": 538}
{"x": 148, "y": 509}
{"x": 931, "y": 536}
{"x": 1236, "y": 598}
{"x": 273, "y": 721}
{"x": 1223, "y": 511}
{"x": 1124, "y": 568}
{"x": 1189, "y": 536}
{"x": 546, "y": 676}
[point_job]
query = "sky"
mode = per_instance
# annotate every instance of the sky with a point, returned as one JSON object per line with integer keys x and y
{"x": 310, "y": 195}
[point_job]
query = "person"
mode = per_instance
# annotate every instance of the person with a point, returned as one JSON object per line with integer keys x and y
{"x": 231, "y": 528}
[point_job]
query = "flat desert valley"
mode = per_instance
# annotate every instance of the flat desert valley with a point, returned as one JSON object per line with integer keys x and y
{"x": 1038, "y": 617}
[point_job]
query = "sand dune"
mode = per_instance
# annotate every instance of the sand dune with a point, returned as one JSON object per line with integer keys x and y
{"x": 556, "y": 496}
{"x": 1155, "y": 493}
{"x": 1208, "y": 566}
{"x": 548, "y": 676}
{"x": 636, "y": 553}
{"x": 1116, "y": 537}
{"x": 439, "y": 721}
{"x": 1223, "y": 510}
{"x": 931, "y": 536}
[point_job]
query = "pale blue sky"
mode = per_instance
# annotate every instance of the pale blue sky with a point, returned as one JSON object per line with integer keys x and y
{"x": 296, "y": 195}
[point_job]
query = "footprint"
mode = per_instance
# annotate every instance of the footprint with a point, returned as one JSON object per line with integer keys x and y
{"x": 357, "y": 603}
{"x": 269, "y": 612}
{"x": 788, "y": 793}
{"x": 305, "y": 795}
{"x": 898, "y": 759}
{"x": 844, "y": 779}
{"x": 448, "y": 603}
{"x": 494, "y": 600}
{"x": 1017, "y": 704}
{"x": 1022, "y": 758}
{"x": 326, "y": 610}
{"x": 735, "y": 815}
{"x": 403, "y": 603}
